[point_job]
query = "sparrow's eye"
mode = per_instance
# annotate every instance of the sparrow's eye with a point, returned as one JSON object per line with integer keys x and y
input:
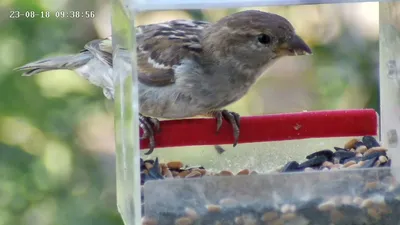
{"x": 264, "y": 39}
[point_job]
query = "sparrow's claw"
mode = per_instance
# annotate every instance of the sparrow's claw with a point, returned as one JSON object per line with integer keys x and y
{"x": 149, "y": 126}
{"x": 233, "y": 118}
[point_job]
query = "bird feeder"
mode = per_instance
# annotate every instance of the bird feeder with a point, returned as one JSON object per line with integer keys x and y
{"x": 355, "y": 183}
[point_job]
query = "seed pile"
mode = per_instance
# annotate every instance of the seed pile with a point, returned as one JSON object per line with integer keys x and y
{"x": 373, "y": 199}
{"x": 365, "y": 153}
{"x": 152, "y": 170}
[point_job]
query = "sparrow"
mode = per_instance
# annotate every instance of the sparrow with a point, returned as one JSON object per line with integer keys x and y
{"x": 189, "y": 68}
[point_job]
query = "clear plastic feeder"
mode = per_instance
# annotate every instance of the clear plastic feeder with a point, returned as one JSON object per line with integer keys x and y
{"x": 267, "y": 196}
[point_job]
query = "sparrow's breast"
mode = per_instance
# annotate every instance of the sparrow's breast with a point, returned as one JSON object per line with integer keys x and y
{"x": 193, "y": 93}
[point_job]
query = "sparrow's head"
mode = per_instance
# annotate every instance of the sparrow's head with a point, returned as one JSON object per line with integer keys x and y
{"x": 253, "y": 37}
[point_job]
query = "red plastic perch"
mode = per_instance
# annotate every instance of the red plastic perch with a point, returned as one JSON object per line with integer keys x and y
{"x": 276, "y": 127}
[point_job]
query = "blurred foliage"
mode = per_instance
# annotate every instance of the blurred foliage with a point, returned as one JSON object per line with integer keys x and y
{"x": 38, "y": 185}
{"x": 48, "y": 176}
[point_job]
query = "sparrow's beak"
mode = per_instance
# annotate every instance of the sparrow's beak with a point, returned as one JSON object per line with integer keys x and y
{"x": 294, "y": 46}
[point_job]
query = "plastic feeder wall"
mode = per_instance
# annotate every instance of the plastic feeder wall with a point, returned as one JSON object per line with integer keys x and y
{"x": 280, "y": 133}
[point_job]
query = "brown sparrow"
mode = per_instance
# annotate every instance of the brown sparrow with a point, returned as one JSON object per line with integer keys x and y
{"x": 189, "y": 68}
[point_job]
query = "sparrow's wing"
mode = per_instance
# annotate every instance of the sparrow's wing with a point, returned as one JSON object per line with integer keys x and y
{"x": 160, "y": 47}
{"x": 163, "y": 46}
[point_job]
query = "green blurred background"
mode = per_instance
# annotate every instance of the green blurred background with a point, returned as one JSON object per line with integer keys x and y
{"x": 56, "y": 130}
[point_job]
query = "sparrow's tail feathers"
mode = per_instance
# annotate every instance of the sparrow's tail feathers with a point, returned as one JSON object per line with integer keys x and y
{"x": 69, "y": 62}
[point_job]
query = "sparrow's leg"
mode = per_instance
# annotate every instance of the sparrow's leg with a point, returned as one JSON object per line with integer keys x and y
{"x": 149, "y": 126}
{"x": 232, "y": 117}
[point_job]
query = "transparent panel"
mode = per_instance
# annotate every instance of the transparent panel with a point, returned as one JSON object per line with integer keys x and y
{"x": 341, "y": 197}
{"x": 389, "y": 78}
{"x": 126, "y": 115}
{"x": 143, "y": 5}
{"x": 311, "y": 126}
